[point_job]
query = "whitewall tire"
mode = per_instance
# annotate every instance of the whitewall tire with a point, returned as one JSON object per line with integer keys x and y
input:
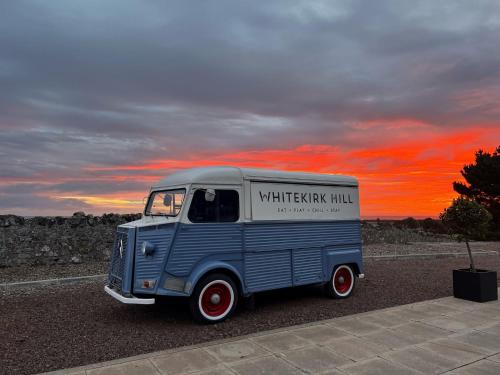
{"x": 341, "y": 284}
{"x": 214, "y": 299}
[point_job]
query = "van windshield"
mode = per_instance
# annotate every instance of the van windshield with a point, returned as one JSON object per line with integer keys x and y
{"x": 165, "y": 203}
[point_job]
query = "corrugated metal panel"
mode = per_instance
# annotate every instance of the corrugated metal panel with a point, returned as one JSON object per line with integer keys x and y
{"x": 151, "y": 267}
{"x": 197, "y": 241}
{"x": 307, "y": 266}
{"x": 276, "y": 236}
{"x": 268, "y": 270}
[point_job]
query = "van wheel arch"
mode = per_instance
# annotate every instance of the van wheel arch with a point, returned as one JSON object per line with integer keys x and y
{"x": 355, "y": 268}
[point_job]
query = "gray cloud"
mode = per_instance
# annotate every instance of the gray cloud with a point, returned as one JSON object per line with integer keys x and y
{"x": 93, "y": 83}
{"x": 34, "y": 205}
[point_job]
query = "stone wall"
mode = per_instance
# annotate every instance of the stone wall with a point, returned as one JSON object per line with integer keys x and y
{"x": 84, "y": 238}
{"x": 49, "y": 240}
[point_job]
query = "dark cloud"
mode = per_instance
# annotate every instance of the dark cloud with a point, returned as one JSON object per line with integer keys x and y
{"x": 120, "y": 82}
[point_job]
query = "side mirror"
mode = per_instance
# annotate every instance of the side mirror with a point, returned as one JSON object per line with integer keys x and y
{"x": 210, "y": 195}
{"x": 167, "y": 200}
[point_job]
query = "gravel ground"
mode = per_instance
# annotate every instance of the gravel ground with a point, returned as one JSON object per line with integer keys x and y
{"x": 66, "y": 326}
{"x": 14, "y": 274}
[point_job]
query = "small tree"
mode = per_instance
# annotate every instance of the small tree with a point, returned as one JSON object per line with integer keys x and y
{"x": 466, "y": 219}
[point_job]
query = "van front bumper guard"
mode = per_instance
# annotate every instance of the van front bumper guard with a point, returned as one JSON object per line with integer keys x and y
{"x": 128, "y": 300}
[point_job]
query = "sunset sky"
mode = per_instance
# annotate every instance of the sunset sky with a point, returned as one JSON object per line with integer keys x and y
{"x": 99, "y": 99}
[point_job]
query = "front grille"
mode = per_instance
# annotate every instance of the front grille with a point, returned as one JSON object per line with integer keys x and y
{"x": 117, "y": 266}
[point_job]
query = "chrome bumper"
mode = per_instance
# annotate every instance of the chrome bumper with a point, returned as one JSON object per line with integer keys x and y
{"x": 128, "y": 300}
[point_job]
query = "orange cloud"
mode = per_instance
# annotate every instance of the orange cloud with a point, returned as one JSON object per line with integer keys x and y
{"x": 405, "y": 177}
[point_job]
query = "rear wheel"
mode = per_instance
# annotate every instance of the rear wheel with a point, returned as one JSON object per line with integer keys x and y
{"x": 214, "y": 299}
{"x": 341, "y": 283}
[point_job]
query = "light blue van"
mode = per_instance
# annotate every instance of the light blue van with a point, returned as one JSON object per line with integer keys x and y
{"x": 216, "y": 234}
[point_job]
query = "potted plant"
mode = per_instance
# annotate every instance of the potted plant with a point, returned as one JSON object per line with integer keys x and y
{"x": 467, "y": 220}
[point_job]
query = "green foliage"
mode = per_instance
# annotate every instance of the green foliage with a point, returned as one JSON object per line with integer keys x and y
{"x": 483, "y": 183}
{"x": 466, "y": 219}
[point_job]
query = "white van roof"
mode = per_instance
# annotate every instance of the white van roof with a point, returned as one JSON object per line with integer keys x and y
{"x": 235, "y": 176}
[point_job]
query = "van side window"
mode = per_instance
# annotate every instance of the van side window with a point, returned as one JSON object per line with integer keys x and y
{"x": 225, "y": 208}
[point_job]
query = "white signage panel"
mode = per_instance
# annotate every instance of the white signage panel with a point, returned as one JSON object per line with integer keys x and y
{"x": 275, "y": 201}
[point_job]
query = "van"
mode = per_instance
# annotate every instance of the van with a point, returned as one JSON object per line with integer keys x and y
{"x": 218, "y": 234}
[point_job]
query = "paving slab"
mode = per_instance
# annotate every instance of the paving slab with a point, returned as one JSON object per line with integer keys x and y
{"x": 495, "y": 358}
{"x": 266, "y": 365}
{"x": 356, "y": 326}
{"x": 487, "y": 312}
{"x": 493, "y": 304}
{"x": 424, "y": 311}
{"x": 356, "y": 348}
{"x": 279, "y": 342}
{"x": 484, "y": 367}
{"x": 315, "y": 359}
{"x": 385, "y": 319}
{"x": 487, "y": 341}
{"x": 378, "y": 366}
{"x": 218, "y": 370}
{"x": 455, "y": 350}
{"x": 236, "y": 351}
{"x": 422, "y": 360}
{"x": 433, "y": 308}
{"x": 130, "y": 368}
{"x": 419, "y": 332}
{"x": 451, "y": 323}
{"x": 410, "y": 314}
{"x": 472, "y": 318}
{"x": 490, "y": 328}
{"x": 185, "y": 362}
{"x": 333, "y": 372}
{"x": 458, "y": 304}
{"x": 320, "y": 334}
{"x": 390, "y": 338}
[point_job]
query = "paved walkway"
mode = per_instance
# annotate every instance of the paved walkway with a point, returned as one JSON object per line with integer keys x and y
{"x": 445, "y": 335}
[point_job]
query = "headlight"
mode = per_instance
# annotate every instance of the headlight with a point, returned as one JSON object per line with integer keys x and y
{"x": 147, "y": 248}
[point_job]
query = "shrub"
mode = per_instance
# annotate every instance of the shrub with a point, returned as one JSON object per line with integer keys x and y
{"x": 433, "y": 226}
{"x": 409, "y": 222}
{"x": 467, "y": 220}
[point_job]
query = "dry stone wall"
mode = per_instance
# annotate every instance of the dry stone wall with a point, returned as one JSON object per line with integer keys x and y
{"x": 84, "y": 238}
{"x": 51, "y": 240}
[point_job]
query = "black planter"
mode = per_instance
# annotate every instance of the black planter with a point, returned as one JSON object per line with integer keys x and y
{"x": 478, "y": 286}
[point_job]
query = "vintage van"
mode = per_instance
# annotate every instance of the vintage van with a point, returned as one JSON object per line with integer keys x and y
{"x": 217, "y": 234}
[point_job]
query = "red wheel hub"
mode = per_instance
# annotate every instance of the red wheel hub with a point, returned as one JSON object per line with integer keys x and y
{"x": 216, "y": 299}
{"x": 343, "y": 280}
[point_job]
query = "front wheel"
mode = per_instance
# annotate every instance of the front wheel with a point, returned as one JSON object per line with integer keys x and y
{"x": 341, "y": 283}
{"x": 214, "y": 299}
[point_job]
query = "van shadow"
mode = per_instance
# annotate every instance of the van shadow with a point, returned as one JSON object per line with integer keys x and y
{"x": 176, "y": 309}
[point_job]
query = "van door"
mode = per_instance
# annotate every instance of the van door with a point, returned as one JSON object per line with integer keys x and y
{"x": 212, "y": 230}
